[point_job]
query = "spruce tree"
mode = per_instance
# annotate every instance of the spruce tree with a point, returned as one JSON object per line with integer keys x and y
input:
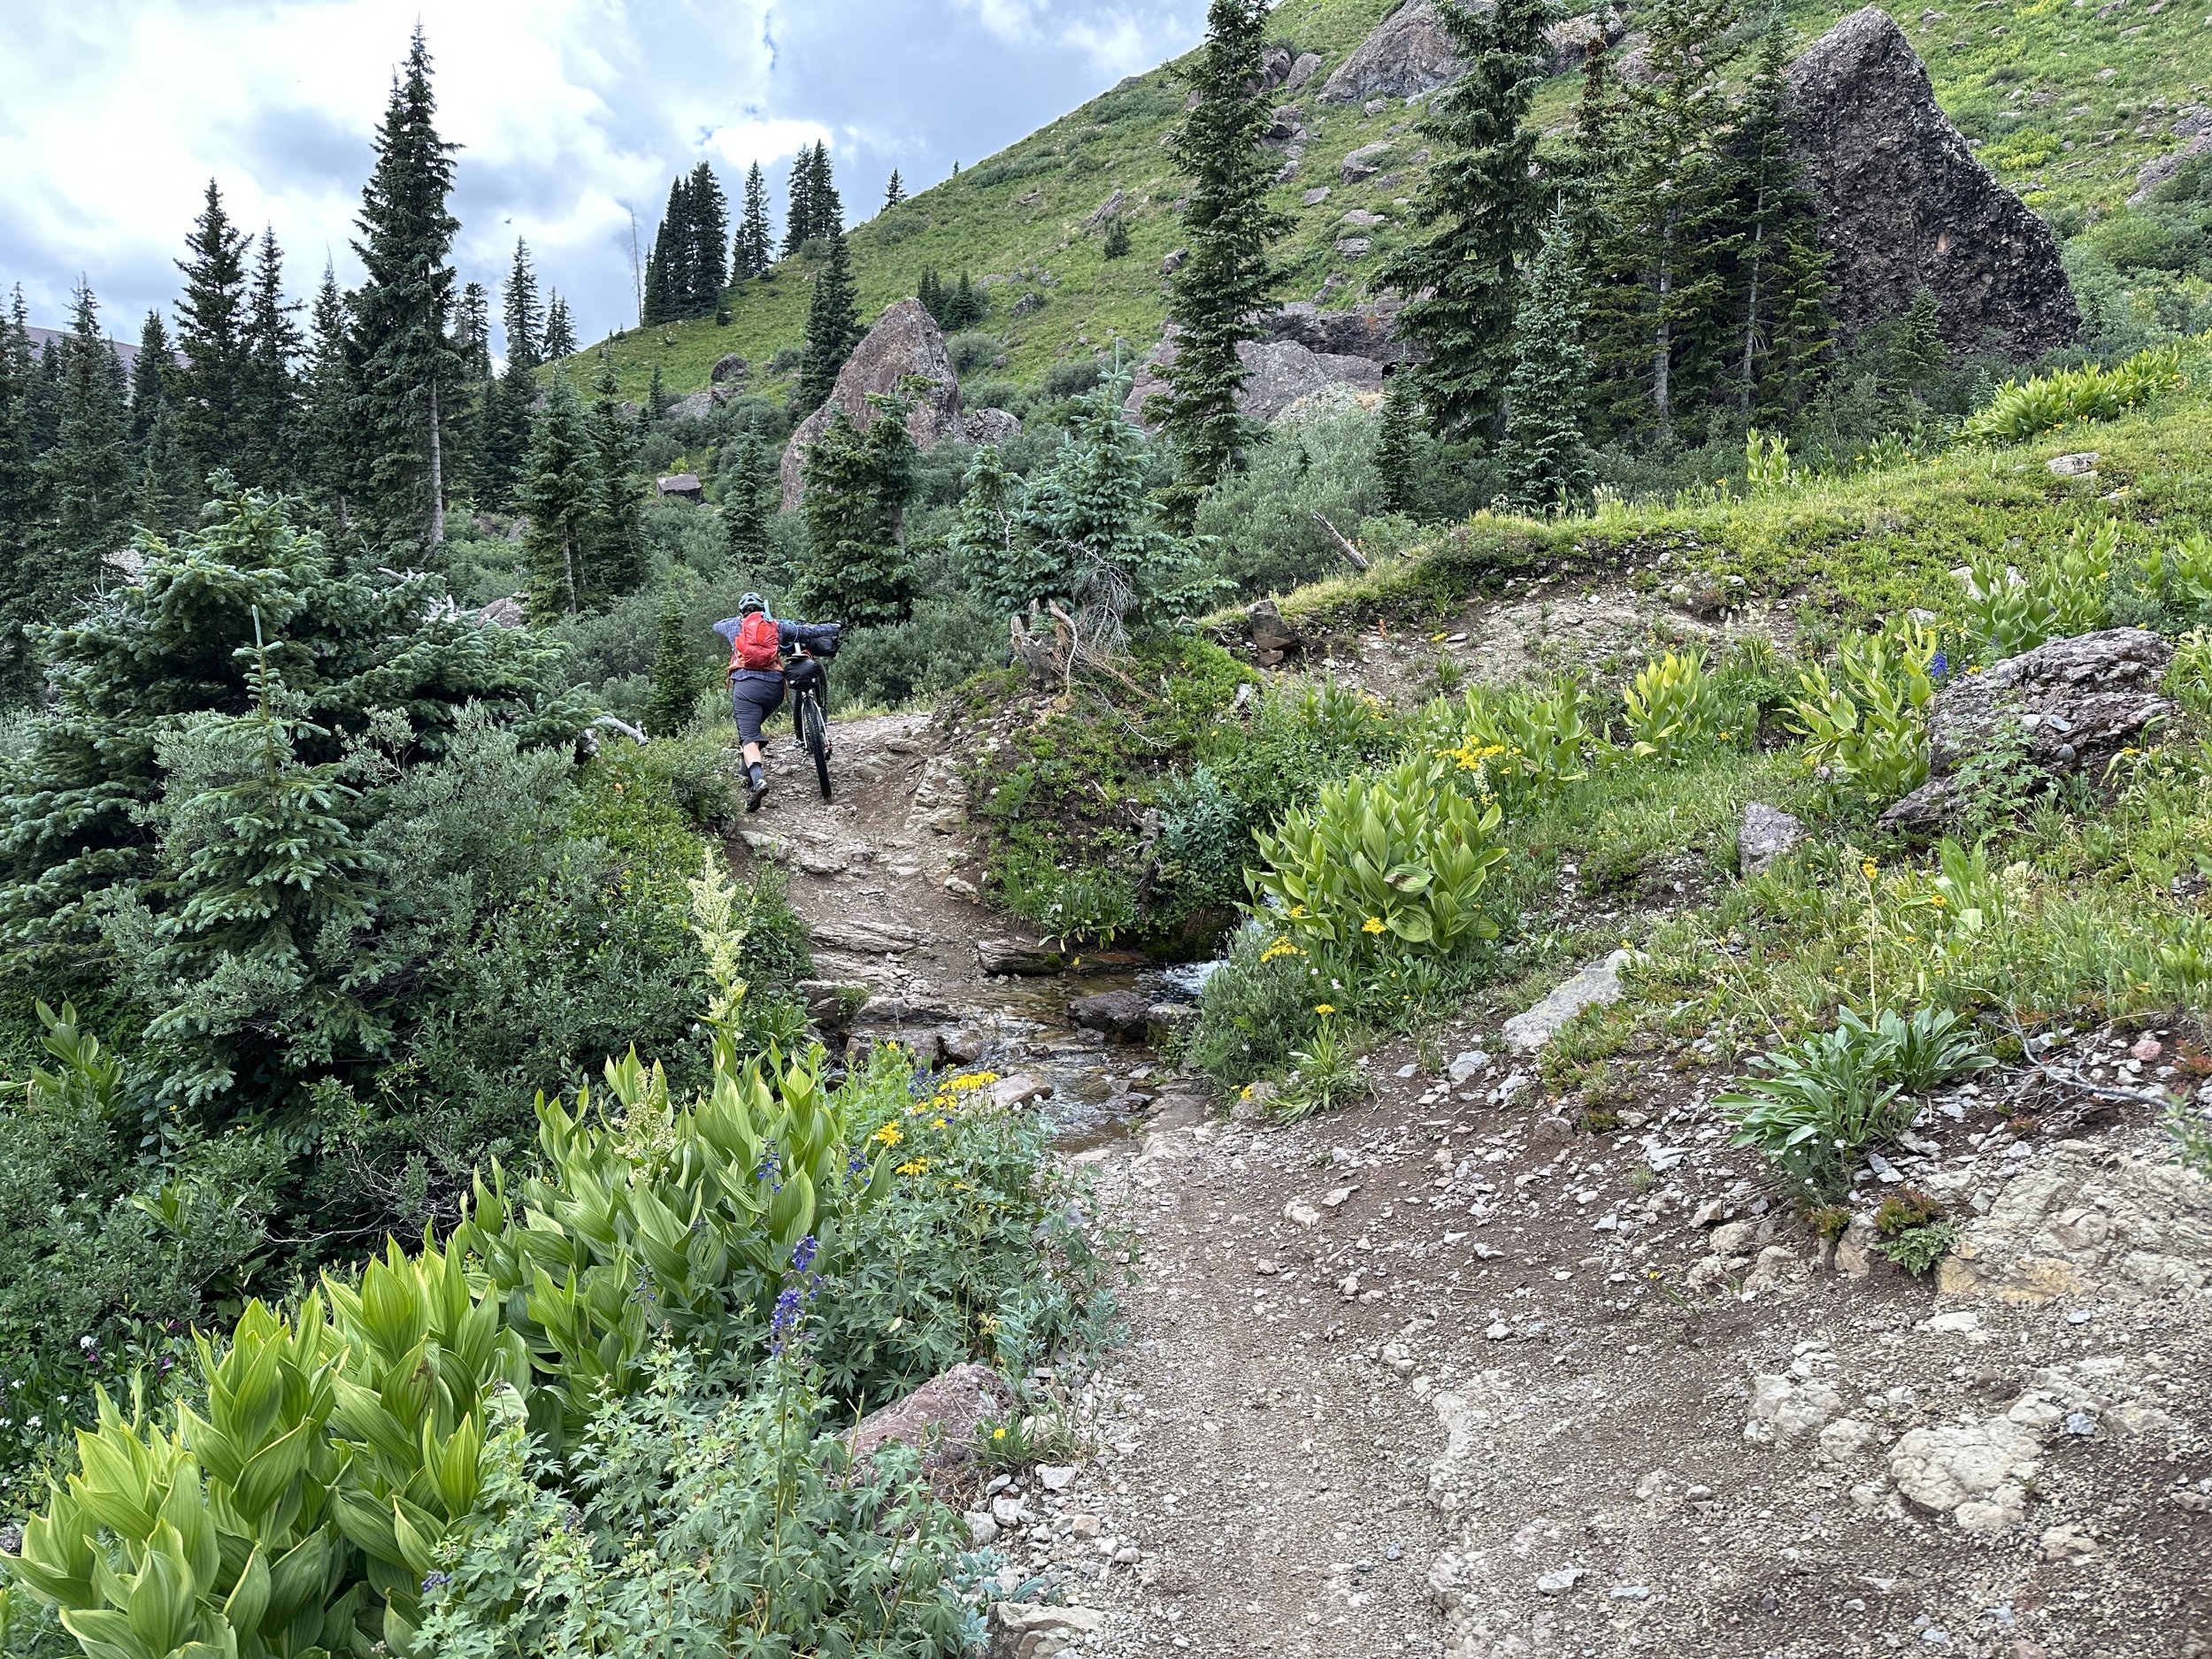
{"x": 330, "y": 460}
{"x": 405, "y": 369}
{"x": 22, "y": 497}
{"x": 755, "y": 250}
{"x": 931, "y": 291}
{"x": 895, "y": 192}
{"x": 706, "y": 236}
{"x": 1917, "y": 353}
{"x": 1779, "y": 284}
{"x": 1219, "y": 294}
{"x": 560, "y": 333}
{"x": 618, "y": 552}
{"x": 88, "y": 475}
{"x": 268, "y": 413}
{"x": 152, "y": 370}
{"x": 166, "y": 496}
{"x": 829, "y": 207}
{"x": 1545, "y": 455}
{"x": 46, "y": 396}
{"x": 211, "y": 317}
{"x": 1117, "y": 243}
{"x": 676, "y": 673}
{"x": 832, "y": 328}
{"x": 473, "y": 422}
{"x": 857, "y": 487}
{"x": 745, "y": 503}
{"x": 558, "y": 494}
{"x": 1397, "y": 432}
{"x": 798, "y": 221}
{"x": 656, "y": 393}
{"x": 1479, "y": 212}
{"x": 522, "y": 315}
{"x": 665, "y": 265}
{"x": 1659, "y": 310}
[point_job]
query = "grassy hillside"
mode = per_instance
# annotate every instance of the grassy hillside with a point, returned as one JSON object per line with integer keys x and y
{"x": 2063, "y": 103}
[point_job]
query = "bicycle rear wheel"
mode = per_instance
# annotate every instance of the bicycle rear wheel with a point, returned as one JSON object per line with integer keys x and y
{"x": 814, "y": 733}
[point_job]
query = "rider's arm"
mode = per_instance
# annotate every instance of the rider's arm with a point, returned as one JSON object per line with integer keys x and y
{"x": 806, "y": 632}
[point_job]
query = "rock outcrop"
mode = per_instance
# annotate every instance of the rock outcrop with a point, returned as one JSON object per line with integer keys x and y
{"x": 905, "y": 344}
{"x": 2077, "y": 701}
{"x": 1308, "y": 350}
{"x": 1904, "y": 204}
{"x": 1408, "y": 52}
{"x": 939, "y": 1419}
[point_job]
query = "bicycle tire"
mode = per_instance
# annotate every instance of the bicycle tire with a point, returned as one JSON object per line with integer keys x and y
{"x": 814, "y": 731}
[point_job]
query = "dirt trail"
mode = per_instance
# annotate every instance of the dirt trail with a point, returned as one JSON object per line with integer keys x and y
{"x": 1442, "y": 1375}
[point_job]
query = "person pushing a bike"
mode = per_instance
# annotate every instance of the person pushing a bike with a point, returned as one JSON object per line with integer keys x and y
{"x": 757, "y": 674}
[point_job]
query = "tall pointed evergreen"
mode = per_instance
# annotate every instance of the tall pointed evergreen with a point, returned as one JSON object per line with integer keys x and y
{"x": 163, "y": 499}
{"x": 87, "y": 474}
{"x": 560, "y": 333}
{"x": 798, "y": 217}
{"x": 754, "y": 249}
{"x": 1659, "y": 308}
{"x": 745, "y": 503}
{"x": 1219, "y": 294}
{"x": 521, "y": 313}
{"x": 1545, "y": 455}
{"x": 268, "y": 448}
{"x": 472, "y": 416}
{"x": 1479, "y": 212}
{"x": 153, "y": 371}
{"x": 330, "y": 460}
{"x": 22, "y": 494}
{"x": 677, "y": 676}
{"x": 706, "y": 235}
{"x": 211, "y": 317}
{"x": 406, "y": 370}
{"x": 1780, "y": 292}
{"x": 829, "y": 207}
{"x": 833, "y": 328}
{"x": 1399, "y": 428}
{"x": 558, "y": 497}
{"x": 893, "y": 192}
{"x": 618, "y": 551}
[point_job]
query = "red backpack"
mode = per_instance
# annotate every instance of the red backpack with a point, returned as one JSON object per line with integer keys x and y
{"x": 757, "y": 646}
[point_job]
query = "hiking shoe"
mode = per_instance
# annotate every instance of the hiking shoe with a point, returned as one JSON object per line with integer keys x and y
{"x": 759, "y": 791}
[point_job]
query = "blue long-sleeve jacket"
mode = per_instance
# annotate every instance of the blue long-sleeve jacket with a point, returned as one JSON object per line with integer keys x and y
{"x": 787, "y": 634}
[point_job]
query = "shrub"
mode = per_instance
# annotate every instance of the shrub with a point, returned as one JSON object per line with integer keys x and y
{"x": 1383, "y": 865}
{"x": 1827, "y": 1099}
{"x": 1673, "y": 707}
{"x": 1516, "y": 744}
{"x": 1203, "y": 840}
{"x": 2070, "y": 595}
{"x": 2175, "y": 580}
{"x": 1867, "y": 725}
{"x": 1325, "y": 1074}
{"x": 2021, "y": 409}
{"x": 1299, "y": 737}
{"x": 1072, "y": 377}
{"x": 1256, "y": 1012}
{"x": 972, "y": 349}
{"x": 1912, "y": 1233}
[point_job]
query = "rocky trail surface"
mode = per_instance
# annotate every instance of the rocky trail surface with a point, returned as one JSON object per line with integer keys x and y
{"x": 1445, "y": 1374}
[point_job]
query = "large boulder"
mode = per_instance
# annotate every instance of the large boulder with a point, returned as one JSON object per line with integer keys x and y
{"x": 1408, "y": 52}
{"x": 1365, "y": 331}
{"x": 1904, "y": 204}
{"x": 1277, "y": 374}
{"x": 905, "y": 344}
{"x": 941, "y": 1419}
{"x": 2078, "y": 702}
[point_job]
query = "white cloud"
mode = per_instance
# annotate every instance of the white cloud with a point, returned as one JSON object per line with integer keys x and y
{"x": 741, "y": 144}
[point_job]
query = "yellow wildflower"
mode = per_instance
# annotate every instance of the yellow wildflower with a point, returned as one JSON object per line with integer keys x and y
{"x": 890, "y": 1135}
{"x": 914, "y": 1166}
{"x": 1868, "y": 868}
{"x": 1324, "y": 1008}
{"x": 1372, "y": 924}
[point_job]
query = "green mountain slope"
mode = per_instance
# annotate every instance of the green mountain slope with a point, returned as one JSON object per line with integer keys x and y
{"x": 2063, "y": 103}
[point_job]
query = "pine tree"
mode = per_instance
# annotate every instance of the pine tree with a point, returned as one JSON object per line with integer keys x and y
{"x": 1779, "y": 285}
{"x": 1480, "y": 214}
{"x": 46, "y": 397}
{"x": 522, "y": 315}
{"x": 165, "y": 497}
{"x": 965, "y": 305}
{"x": 152, "y": 370}
{"x": 88, "y": 471}
{"x": 656, "y": 393}
{"x": 1917, "y": 353}
{"x": 558, "y": 496}
{"x": 1399, "y": 429}
{"x": 405, "y": 371}
{"x": 857, "y": 485}
{"x": 706, "y": 235}
{"x": 832, "y": 328}
{"x": 665, "y": 265}
{"x": 331, "y": 459}
{"x": 211, "y": 382}
{"x": 745, "y": 503}
{"x": 1117, "y": 243}
{"x": 798, "y": 221}
{"x": 268, "y": 411}
{"x": 22, "y": 500}
{"x": 829, "y": 207}
{"x": 1219, "y": 294}
{"x": 1545, "y": 455}
{"x": 676, "y": 673}
{"x": 895, "y": 192}
{"x": 755, "y": 250}
{"x": 1660, "y": 310}
{"x": 473, "y": 422}
{"x": 560, "y": 333}
{"x": 618, "y": 552}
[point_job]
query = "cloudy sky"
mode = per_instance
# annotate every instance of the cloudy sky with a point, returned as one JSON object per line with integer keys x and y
{"x": 115, "y": 113}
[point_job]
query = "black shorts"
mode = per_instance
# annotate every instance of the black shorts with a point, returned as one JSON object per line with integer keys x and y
{"x": 753, "y": 698}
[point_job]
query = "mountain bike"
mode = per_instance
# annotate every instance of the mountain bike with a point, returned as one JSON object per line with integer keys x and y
{"x": 810, "y": 715}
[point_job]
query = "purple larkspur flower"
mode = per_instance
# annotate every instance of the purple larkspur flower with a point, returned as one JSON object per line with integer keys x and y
{"x": 785, "y": 1321}
{"x": 1938, "y": 665}
{"x": 802, "y": 1254}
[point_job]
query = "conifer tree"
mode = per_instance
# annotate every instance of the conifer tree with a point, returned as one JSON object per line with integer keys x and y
{"x": 46, "y": 397}
{"x": 267, "y": 454}
{"x": 405, "y": 369}
{"x": 706, "y": 235}
{"x": 559, "y": 496}
{"x": 857, "y": 487}
{"x": 745, "y": 503}
{"x": 1479, "y": 215}
{"x": 22, "y": 496}
{"x": 152, "y": 370}
{"x": 665, "y": 265}
{"x": 829, "y": 207}
{"x": 1780, "y": 288}
{"x": 798, "y": 221}
{"x": 1219, "y": 294}
{"x": 618, "y": 552}
{"x": 522, "y": 315}
{"x": 1117, "y": 243}
{"x": 1399, "y": 429}
{"x": 331, "y": 458}
{"x": 88, "y": 471}
{"x": 931, "y": 291}
{"x": 755, "y": 250}
{"x": 1545, "y": 455}
{"x": 1659, "y": 310}
{"x": 1917, "y": 353}
{"x": 560, "y": 333}
{"x": 965, "y": 305}
{"x": 474, "y": 419}
{"x": 895, "y": 192}
{"x": 211, "y": 317}
{"x": 165, "y": 497}
{"x": 832, "y": 328}
{"x": 676, "y": 671}
{"x": 656, "y": 393}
